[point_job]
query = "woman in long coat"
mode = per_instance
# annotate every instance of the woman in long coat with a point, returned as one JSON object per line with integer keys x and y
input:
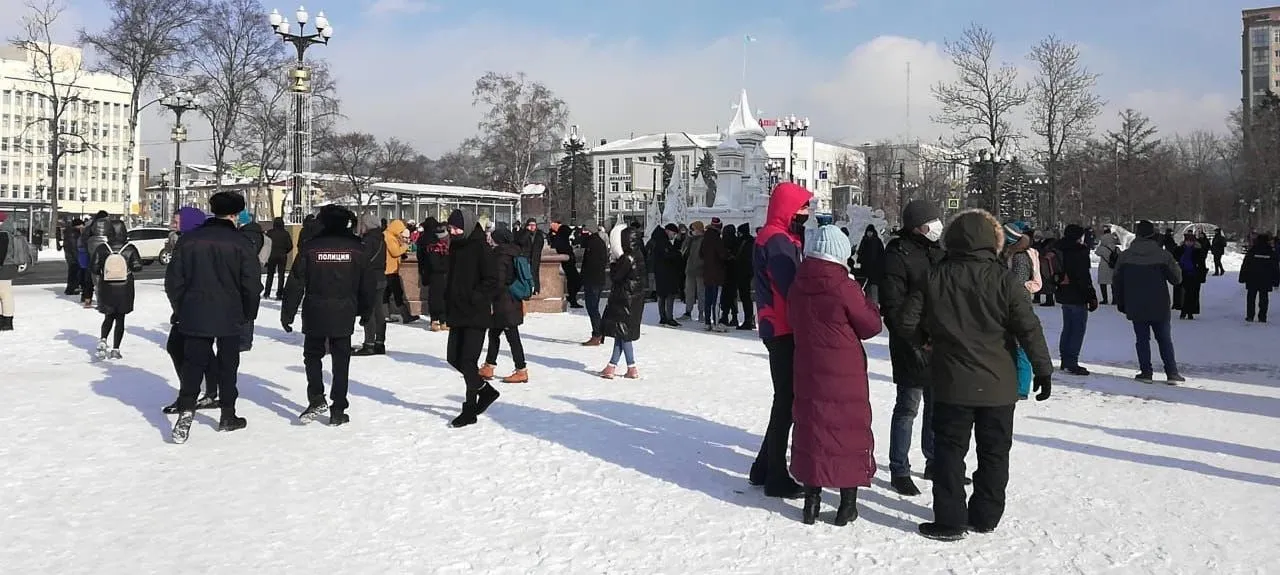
{"x": 623, "y": 312}
{"x": 1193, "y": 259}
{"x": 115, "y": 299}
{"x": 508, "y": 312}
{"x": 433, "y": 269}
{"x": 1109, "y": 244}
{"x": 832, "y": 444}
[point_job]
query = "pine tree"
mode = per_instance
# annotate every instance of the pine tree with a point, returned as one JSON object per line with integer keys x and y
{"x": 668, "y": 161}
{"x": 706, "y": 169}
{"x": 573, "y": 185}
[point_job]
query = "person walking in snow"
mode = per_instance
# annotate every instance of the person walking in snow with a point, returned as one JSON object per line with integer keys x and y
{"x": 971, "y": 311}
{"x": 473, "y": 285}
{"x": 908, "y": 260}
{"x": 1191, "y": 256}
{"x": 281, "y": 247}
{"x": 694, "y": 288}
{"x": 833, "y": 445}
{"x": 1218, "y": 247}
{"x": 375, "y": 252}
{"x": 334, "y": 283}
{"x": 775, "y": 261}
{"x": 1142, "y": 279}
{"x": 1108, "y": 252}
{"x": 214, "y": 285}
{"x": 93, "y": 235}
{"x": 508, "y": 311}
{"x": 595, "y": 277}
{"x": 625, "y": 308}
{"x": 871, "y": 261}
{"x": 1076, "y": 297}
{"x": 70, "y": 239}
{"x": 114, "y": 264}
{"x": 1260, "y": 273}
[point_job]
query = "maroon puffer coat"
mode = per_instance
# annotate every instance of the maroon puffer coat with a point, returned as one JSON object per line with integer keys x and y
{"x": 832, "y": 444}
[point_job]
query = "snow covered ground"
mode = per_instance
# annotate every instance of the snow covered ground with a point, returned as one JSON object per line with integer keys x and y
{"x": 573, "y": 474}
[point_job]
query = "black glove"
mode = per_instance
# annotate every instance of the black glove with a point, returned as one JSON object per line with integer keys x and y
{"x": 1043, "y": 384}
{"x": 173, "y": 319}
{"x": 1093, "y": 305}
{"x": 288, "y": 328}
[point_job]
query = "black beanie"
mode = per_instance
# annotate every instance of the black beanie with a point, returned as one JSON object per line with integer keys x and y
{"x": 918, "y": 213}
{"x": 224, "y": 204}
{"x": 457, "y": 220}
{"x": 1145, "y": 229}
{"x": 672, "y": 228}
{"x": 1072, "y": 233}
{"x": 335, "y": 218}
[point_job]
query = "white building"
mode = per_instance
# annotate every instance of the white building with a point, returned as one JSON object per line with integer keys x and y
{"x": 98, "y": 178}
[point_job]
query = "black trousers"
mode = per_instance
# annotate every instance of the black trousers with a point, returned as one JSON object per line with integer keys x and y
{"x": 375, "y": 331}
{"x": 176, "y": 346}
{"x": 771, "y": 462}
{"x": 314, "y": 348}
{"x": 275, "y": 267}
{"x": 1263, "y": 301}
{"x": 513, "y": 340}
{"x": 748, "y": 306}
{"x": 86, "y": 285}
{"x": 463, "y": 353}
{"x": 198, "y": 356}
{"x": 1217, "y": 265}
{"x": 729, "y": 301}
{"x": 992, "y": 429}
{"x": 73, "y": 276}
{"x": 573, "y": 281}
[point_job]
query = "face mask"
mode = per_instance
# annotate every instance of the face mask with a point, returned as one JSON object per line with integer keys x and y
{"x": 797, "y": 223}
{"x": 934, "y": 231}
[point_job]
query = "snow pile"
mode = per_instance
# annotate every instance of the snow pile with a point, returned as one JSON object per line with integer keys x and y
{"x": 573, "y": 474}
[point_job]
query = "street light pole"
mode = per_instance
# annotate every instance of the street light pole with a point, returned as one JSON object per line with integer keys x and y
{"x": 301, "y": 87}
{"x": 573, "y": 144}
{"x": 997, "y": 161}
{"x": 791, "y": 126}
{"x": 179, "y": 103}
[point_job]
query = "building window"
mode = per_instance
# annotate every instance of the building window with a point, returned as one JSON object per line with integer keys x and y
{"x": 627, "y": 186}
{"x": 613, "y": 205}
{"x": 600, "y": 168}
{"x": 642, "y": 159}
{"x": 631, "y": 205}
{"x": 614, "y": 165}
{"x": 630, "y": 166}
{"x": 1260, "y": 36}
{"x": 684, "y": 164}
{"x": 803, "y": 183}
{"x": 613, "y": 186}
{"x": 801, "y": 164}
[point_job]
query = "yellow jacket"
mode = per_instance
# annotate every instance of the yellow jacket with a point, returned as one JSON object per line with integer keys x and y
{"x": 395, "y": 247}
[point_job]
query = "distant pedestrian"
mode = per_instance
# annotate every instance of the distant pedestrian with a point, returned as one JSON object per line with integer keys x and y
{"x": 1260, "y": 273}
{"x": 114, "y": 264}
{"x": 281, "y": 247}
{"x": 625, "y": 308}
{"x": 473, "y": 284}
{"x": 1143, "y": 276}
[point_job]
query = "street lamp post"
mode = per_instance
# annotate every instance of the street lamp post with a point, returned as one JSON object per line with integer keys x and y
{"x": 792, "y": 127}
{"x": 31, "y": 228}
{"x": 774, "y": 168}
{"x": 301, "y": 86}
{"x": 179, "y": 103}
{"x": 573, "y": 144}
{"x": 997, "y": 162}
{"x": 84, "y": 199}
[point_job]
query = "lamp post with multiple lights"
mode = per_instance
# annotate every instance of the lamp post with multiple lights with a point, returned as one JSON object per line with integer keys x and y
{"x": 792, "y": 127}
{"x": 179, "y": 103}
{"x": 301, "y": 88}
{"x": 997, "y": 161}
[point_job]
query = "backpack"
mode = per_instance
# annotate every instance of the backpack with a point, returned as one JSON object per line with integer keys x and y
{"x": 264, "y": 254}
{"x": 18, "y": 252}
{"x": 521, "y": 286}
{"x": 116, "y": 268}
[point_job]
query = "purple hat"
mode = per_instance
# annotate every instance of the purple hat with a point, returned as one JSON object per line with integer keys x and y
{"x": 190, "y": 218}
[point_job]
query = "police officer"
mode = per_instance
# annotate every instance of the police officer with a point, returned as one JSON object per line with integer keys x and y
{"x": 338, "y": 284}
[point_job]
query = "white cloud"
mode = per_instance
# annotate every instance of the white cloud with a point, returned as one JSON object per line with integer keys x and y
{"x": 839, "y": 5}
{"x": 419, "y": 88}
{"x": 384, "y": 7}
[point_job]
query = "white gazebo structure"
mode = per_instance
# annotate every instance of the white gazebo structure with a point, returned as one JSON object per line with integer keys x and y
{"x": 418, "y": 202}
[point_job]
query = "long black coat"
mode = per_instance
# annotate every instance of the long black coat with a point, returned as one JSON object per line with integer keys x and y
{"x": 1077, "y": 285}
{"x": 871, "y": 256}
{"x": 908, "y": 260}
{"x": 214, "y": 282}
{"x": 595, "y": 261}
{"x": 281, "y": 241}
{"x": 715, "y": 258}
{"x": 666, "y": 262}
{"x": 333, "y": 282}
{"x": 115, "y": 298}
{"x": 472, "y": 283}
{"x": 507, "y": 310}
{"x": 743, "y": 259}
{"x": 433, "y": 266}
{"x": 625, "y": 309}
{"x": 375, "y": 252}
{"x": 1260, "y": 269}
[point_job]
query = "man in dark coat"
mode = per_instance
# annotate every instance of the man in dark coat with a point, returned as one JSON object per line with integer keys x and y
{"x": 70, "y": 254}
{"x": 1218, "y": 248}
{"x": 595, "y": 270}
{"x": 375, "y": 252}
{"x": 1260, "y": 273}
{"x": 473, "y": 285}
{"x": 907, "y": 262}
{"x": 334, "y": 283}
{"x": 743, "y": 275}
{"x": 871, "y": 261}
{"x": 715, "y": 270}
{"x": 561, "y": 241}
{"x": 1142, "y": 278}
{"x": 972, "y": 312}
{"x": 310, "y": 227}
{"x": 1076, "y": 296}
{"x": 664, "y": 257}
{"x": 534, "y": 241}
{"x": 281, "y": 246}
{"x": 214, "y": 285}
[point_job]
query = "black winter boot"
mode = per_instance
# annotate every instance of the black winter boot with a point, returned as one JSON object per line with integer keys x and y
{"x": 941, "y": 532}
{"x": 230, "y": 422}
{"x": 905, "y": 486}
{"x": 6, "y": 323}
{"x": 812, "y": 504}
{"x": 847, "y": 512}
{"x": 485, "y": 397}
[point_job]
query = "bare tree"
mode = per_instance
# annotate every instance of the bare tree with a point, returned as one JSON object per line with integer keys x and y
{"x": 1198, "y": 154}
{"x": 56, "y": 73}
{"x": 234, "y": 51}
{"x": 985, "y": 95}
{"x": 143, "y": 44}
{"x": 523, "y": 121}
{"x": 355, "y": 156}
{"x": 1063, "y": 106}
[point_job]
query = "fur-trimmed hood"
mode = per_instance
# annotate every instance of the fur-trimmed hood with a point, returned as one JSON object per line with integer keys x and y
{"x": 972, "y": 231}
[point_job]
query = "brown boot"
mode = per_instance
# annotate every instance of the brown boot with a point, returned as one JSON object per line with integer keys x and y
{"x": 520, "y": 376}
{"x": 594, "y": 341}
{"x": 486, "y": 371}
{"x": 608, "y": 371}
{"x": 632, "y": 373}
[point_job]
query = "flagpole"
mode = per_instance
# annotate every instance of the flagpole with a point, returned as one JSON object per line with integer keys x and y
{"x": 745, "y": 41}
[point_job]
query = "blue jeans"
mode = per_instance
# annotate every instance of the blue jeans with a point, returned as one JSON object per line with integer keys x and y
{"x": 621, "y": 348}
{"x": 712, "y": 293}
{"x": 1164, "y": 340}
{"x": 905, "y": 409}
{"x": 592, "y": 296}
{"x": 1075, "y": 319}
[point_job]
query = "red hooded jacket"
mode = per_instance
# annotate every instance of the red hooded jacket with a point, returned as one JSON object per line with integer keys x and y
{"x": 776, "y": 258}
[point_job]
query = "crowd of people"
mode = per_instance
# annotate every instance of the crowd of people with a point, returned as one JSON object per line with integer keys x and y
{"x": 957, "y": 301}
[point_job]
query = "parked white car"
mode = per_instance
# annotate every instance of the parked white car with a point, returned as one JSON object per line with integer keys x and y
{"x": 152, "y": 244}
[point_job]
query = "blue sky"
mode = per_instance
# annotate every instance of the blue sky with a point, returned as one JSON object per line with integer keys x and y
{"x": 405, "y": 67}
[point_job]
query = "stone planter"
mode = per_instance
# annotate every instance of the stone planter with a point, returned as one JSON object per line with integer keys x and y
{"x": 413, "y": 295}
{"x": 550, "y": 300}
